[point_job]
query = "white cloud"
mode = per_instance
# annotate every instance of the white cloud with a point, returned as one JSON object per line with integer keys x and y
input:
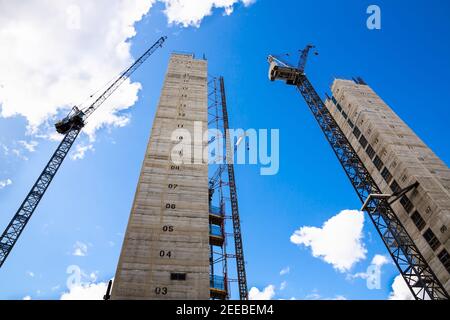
{"x": 30, "y": 146}
{"x": 315, "y": 295}
{"x": 49, "y": 65}
{"x": 27, "y": 298}
{"x": 80, "y": 151}
{"x": 54, "y": 288}
{"x": 19, "y": 154}
{"x": 93, "y": 276}
{"x": 5, "y": 149}
{"x": 86, "y": 288}
{"x": 80, "y": 249}
{"x": 283, "y": 285}
{"x": 267, "y": 294}
{"x": 338, "y": 242}
{"x": 191, "y": 13}
{"x": 400, "y": 290}
{"x": 285, "y": 271}
{"x": 378, "y": 261}
{"x": 30, "y": 274}
{"x": 86, "y": 291}
{"x": 4, "y": 183}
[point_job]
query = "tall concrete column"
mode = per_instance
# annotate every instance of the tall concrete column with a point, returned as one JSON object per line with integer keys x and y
{"x": 165, "y": 253}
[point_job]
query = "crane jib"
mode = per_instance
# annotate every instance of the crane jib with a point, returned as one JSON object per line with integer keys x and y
{"x": 125, "y": 75}
{"x": 78, "y": 117}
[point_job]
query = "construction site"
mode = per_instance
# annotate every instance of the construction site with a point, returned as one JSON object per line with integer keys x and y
{"x": 184, "y": 237}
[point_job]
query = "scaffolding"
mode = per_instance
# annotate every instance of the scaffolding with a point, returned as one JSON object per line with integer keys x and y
{"x": 222, "y": 182}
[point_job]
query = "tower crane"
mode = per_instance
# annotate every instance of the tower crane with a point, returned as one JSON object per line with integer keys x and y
{"x": 415, "y": 270}
{"x": 70, "y": 127}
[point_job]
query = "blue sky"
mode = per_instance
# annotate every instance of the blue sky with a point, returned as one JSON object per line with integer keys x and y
{"x": 88, "y": 204}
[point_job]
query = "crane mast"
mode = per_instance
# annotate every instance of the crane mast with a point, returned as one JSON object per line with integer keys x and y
{"x": 415, "y": 270}
{"x": 70, "y": 126}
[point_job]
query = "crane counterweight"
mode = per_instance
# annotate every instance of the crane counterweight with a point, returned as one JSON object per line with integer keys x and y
{"x": 278, "y": 70}
{"x": 72, "y": 121}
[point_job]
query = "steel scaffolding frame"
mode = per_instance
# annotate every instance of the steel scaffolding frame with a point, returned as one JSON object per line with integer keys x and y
{"x": 219, "y": 114}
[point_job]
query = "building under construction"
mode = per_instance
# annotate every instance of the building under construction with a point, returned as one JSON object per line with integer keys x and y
{"x": 175, "y": 242}
{"x": 403, "y": 185}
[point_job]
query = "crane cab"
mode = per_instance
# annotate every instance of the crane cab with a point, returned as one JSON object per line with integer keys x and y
{"x": 74, "y": 120}
{"x": 288, "y": 74}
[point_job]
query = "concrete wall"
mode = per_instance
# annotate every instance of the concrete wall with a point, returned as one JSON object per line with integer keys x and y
{"x": 407, "y": 158}
{"x": 160, "y": 241}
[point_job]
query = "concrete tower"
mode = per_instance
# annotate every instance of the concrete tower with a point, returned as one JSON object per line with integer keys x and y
{"x": 396, "y": 158}
{"x": 165, "y": 253}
